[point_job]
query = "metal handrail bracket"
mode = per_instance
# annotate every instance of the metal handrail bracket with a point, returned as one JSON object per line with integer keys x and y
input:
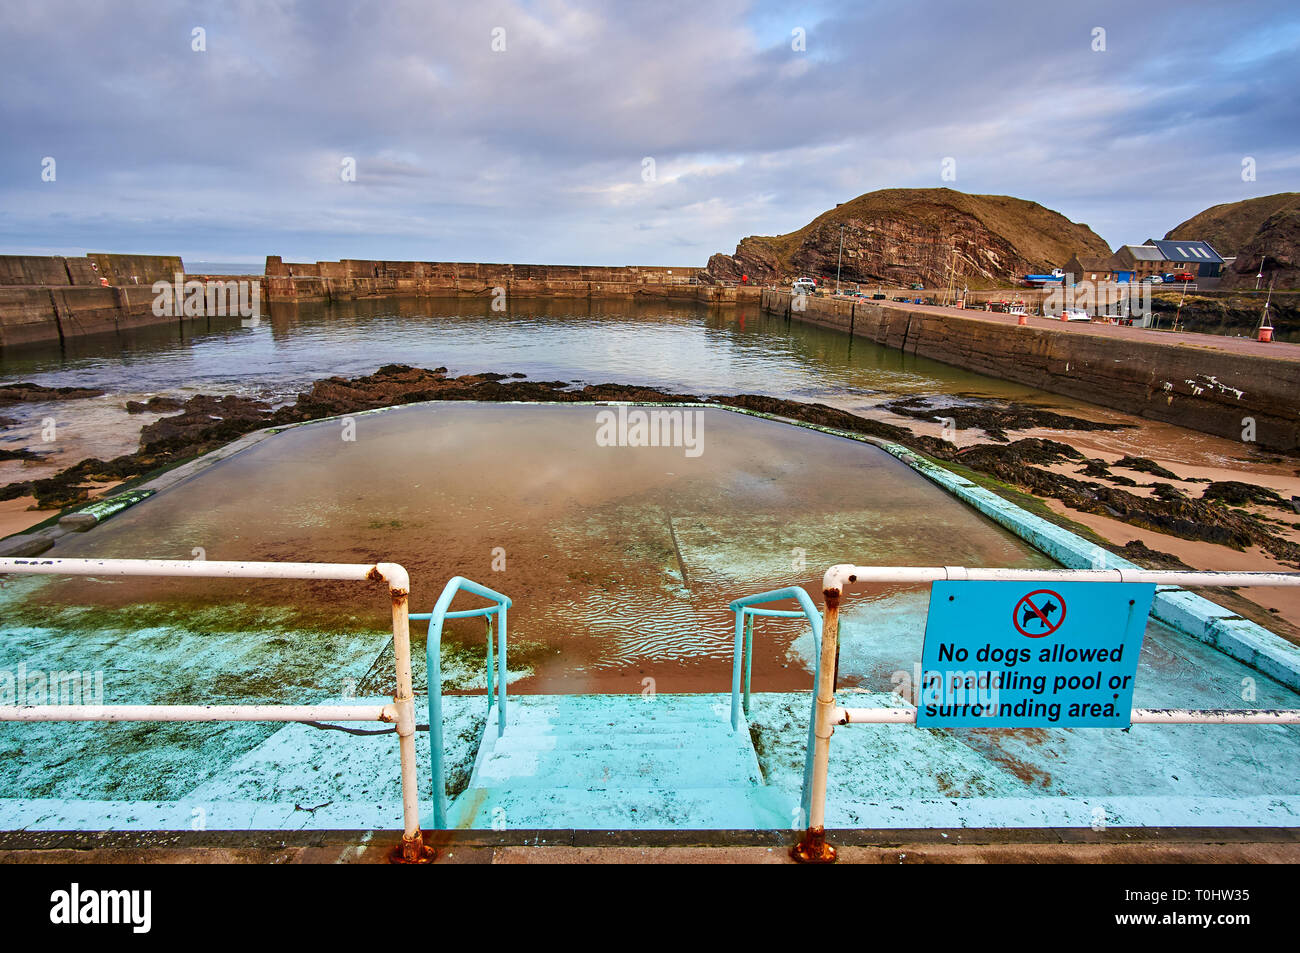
{"x": 745, "y": 610}
{"x": 433, "y": 660}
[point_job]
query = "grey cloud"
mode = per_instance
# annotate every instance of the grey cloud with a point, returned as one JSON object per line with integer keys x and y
{"x": 536, "y": 152}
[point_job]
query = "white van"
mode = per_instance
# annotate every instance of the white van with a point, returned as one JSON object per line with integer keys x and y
{"x": 803, "y": 286}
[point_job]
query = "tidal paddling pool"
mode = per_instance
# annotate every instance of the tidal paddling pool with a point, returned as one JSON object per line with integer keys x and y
{"x": 620, "y": 560}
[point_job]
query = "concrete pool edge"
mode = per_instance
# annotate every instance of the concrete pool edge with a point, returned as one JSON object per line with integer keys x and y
{"x": 41, "y": 819}
{"x": 1184, "y": 611}
{"x": 87, "y": 840}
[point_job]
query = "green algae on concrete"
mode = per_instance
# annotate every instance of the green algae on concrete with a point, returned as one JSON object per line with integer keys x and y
{"x": 284, "y": 777}
{"x": 901, "y": 776}
{"x": 101, "y": 510}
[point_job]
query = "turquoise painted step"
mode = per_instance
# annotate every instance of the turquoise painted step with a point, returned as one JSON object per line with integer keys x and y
{"x": 619, "y": 761}
{"x": 623, "y": 711}
{"x": 695, "y": 767}
{"x": 648, "y": 740}
{"x": 724, "y": 808}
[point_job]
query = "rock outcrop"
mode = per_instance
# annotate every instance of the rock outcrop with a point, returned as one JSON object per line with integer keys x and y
{"x": 900, "y": 236}
{"x": 1262, "y": 231}
{"x": 1274, "y": 251}
{"x": 1231, "y": 227}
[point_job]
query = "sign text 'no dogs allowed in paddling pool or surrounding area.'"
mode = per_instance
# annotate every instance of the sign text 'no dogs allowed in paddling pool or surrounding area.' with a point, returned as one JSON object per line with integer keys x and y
{"x": 1014, "y": 654}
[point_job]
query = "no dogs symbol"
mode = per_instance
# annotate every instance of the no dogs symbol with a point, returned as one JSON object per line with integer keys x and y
{"x": 1038, "y": 614}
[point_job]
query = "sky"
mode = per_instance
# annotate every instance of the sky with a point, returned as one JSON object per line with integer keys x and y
{"x": 616, "y": 132}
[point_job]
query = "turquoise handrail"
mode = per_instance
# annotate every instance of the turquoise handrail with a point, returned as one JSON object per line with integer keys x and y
{"x": 433, "y": 660}
{"x": 745, "y": 610}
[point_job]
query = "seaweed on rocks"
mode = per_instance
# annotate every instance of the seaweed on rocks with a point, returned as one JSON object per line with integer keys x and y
{"x": 821, "y": 415}
{"x": 1143, "y": 465}
{"x": 35, "y": 393}
{"x": 1235, "y": 493}
{"x": 1167, "y": 491}
{"x": 1139, "y": 552}
{"x": 154, "y": 405}
{"x": 1100, "y": 469}
{"x": 995, "y": 417}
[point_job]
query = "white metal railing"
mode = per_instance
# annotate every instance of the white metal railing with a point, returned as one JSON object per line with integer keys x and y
{"x": 401, "y": 712}
{"x": 813, "y": 847}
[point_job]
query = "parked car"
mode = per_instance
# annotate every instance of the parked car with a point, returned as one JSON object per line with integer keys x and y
{"x": 1075, "y": 314}
{"x": 803, "y": 286}
{"x": 1153, "y": 279}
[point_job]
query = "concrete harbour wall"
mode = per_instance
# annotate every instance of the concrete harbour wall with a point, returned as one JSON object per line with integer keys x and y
{"x": 48, "y": 299}
{"x": 351, "y": 279}
{"x": 1201, "y": 388}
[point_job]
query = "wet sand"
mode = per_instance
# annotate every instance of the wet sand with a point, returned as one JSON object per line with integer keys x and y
{"x": 15, "y": 515}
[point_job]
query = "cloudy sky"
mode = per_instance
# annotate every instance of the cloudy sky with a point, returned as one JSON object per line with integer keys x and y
{"x": 523, "y": 131}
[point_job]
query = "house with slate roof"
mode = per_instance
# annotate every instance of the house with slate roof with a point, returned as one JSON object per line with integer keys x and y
{"x": 1197, "y": 257}
{"x": 1135, "y": 262}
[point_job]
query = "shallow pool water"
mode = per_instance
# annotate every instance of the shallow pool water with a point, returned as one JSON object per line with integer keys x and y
{"x": 620, "y": 559}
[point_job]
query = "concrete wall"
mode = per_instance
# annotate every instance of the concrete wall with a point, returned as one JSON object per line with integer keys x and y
{"x": 55, "y": 270}
{"x": 36, "y": 315}
{"x": 49, "y": 298}
{"x": 356, "y": 278}
{"x": 35, "y": 270}
{"x": 1199, "y": 388}
{"x": 137, "y": 269}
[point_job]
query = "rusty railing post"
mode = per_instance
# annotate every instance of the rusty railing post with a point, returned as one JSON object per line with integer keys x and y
{"x": 813, "y": 849}
{"x": 412, "y": 850}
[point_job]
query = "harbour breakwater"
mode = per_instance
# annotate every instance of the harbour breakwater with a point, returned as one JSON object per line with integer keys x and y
{"x": 350, "y": 279}
{"x": 48, "y": 299}
{"x": 1192, "y": 383}
{"x": 45, "y": 299}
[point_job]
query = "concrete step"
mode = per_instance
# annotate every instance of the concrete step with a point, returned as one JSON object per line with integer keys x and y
{"x": 614, "y": 761}
{"x": 601, "y": 729}
{"x": 616, "y": 711}
{"x": 616, "y": 808}
{"x": 521, "y": 740}
{"x": 654, "y": 768}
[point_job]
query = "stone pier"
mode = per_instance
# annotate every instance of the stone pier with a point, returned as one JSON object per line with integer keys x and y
{"x": 1230, "y": 387}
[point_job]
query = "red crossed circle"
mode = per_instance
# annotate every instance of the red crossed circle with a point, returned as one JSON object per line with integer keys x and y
{"x": 1027, "y": 610}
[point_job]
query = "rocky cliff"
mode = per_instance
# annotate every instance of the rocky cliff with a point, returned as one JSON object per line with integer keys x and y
{"x": 1264, "y": 230}
{"x": 1273, "y": 250}
{"x": 1231, "y": 226}
{"x": 900, "y": 236}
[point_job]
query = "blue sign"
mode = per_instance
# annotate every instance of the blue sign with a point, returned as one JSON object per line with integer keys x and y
{"x": 1015, "y": 654}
